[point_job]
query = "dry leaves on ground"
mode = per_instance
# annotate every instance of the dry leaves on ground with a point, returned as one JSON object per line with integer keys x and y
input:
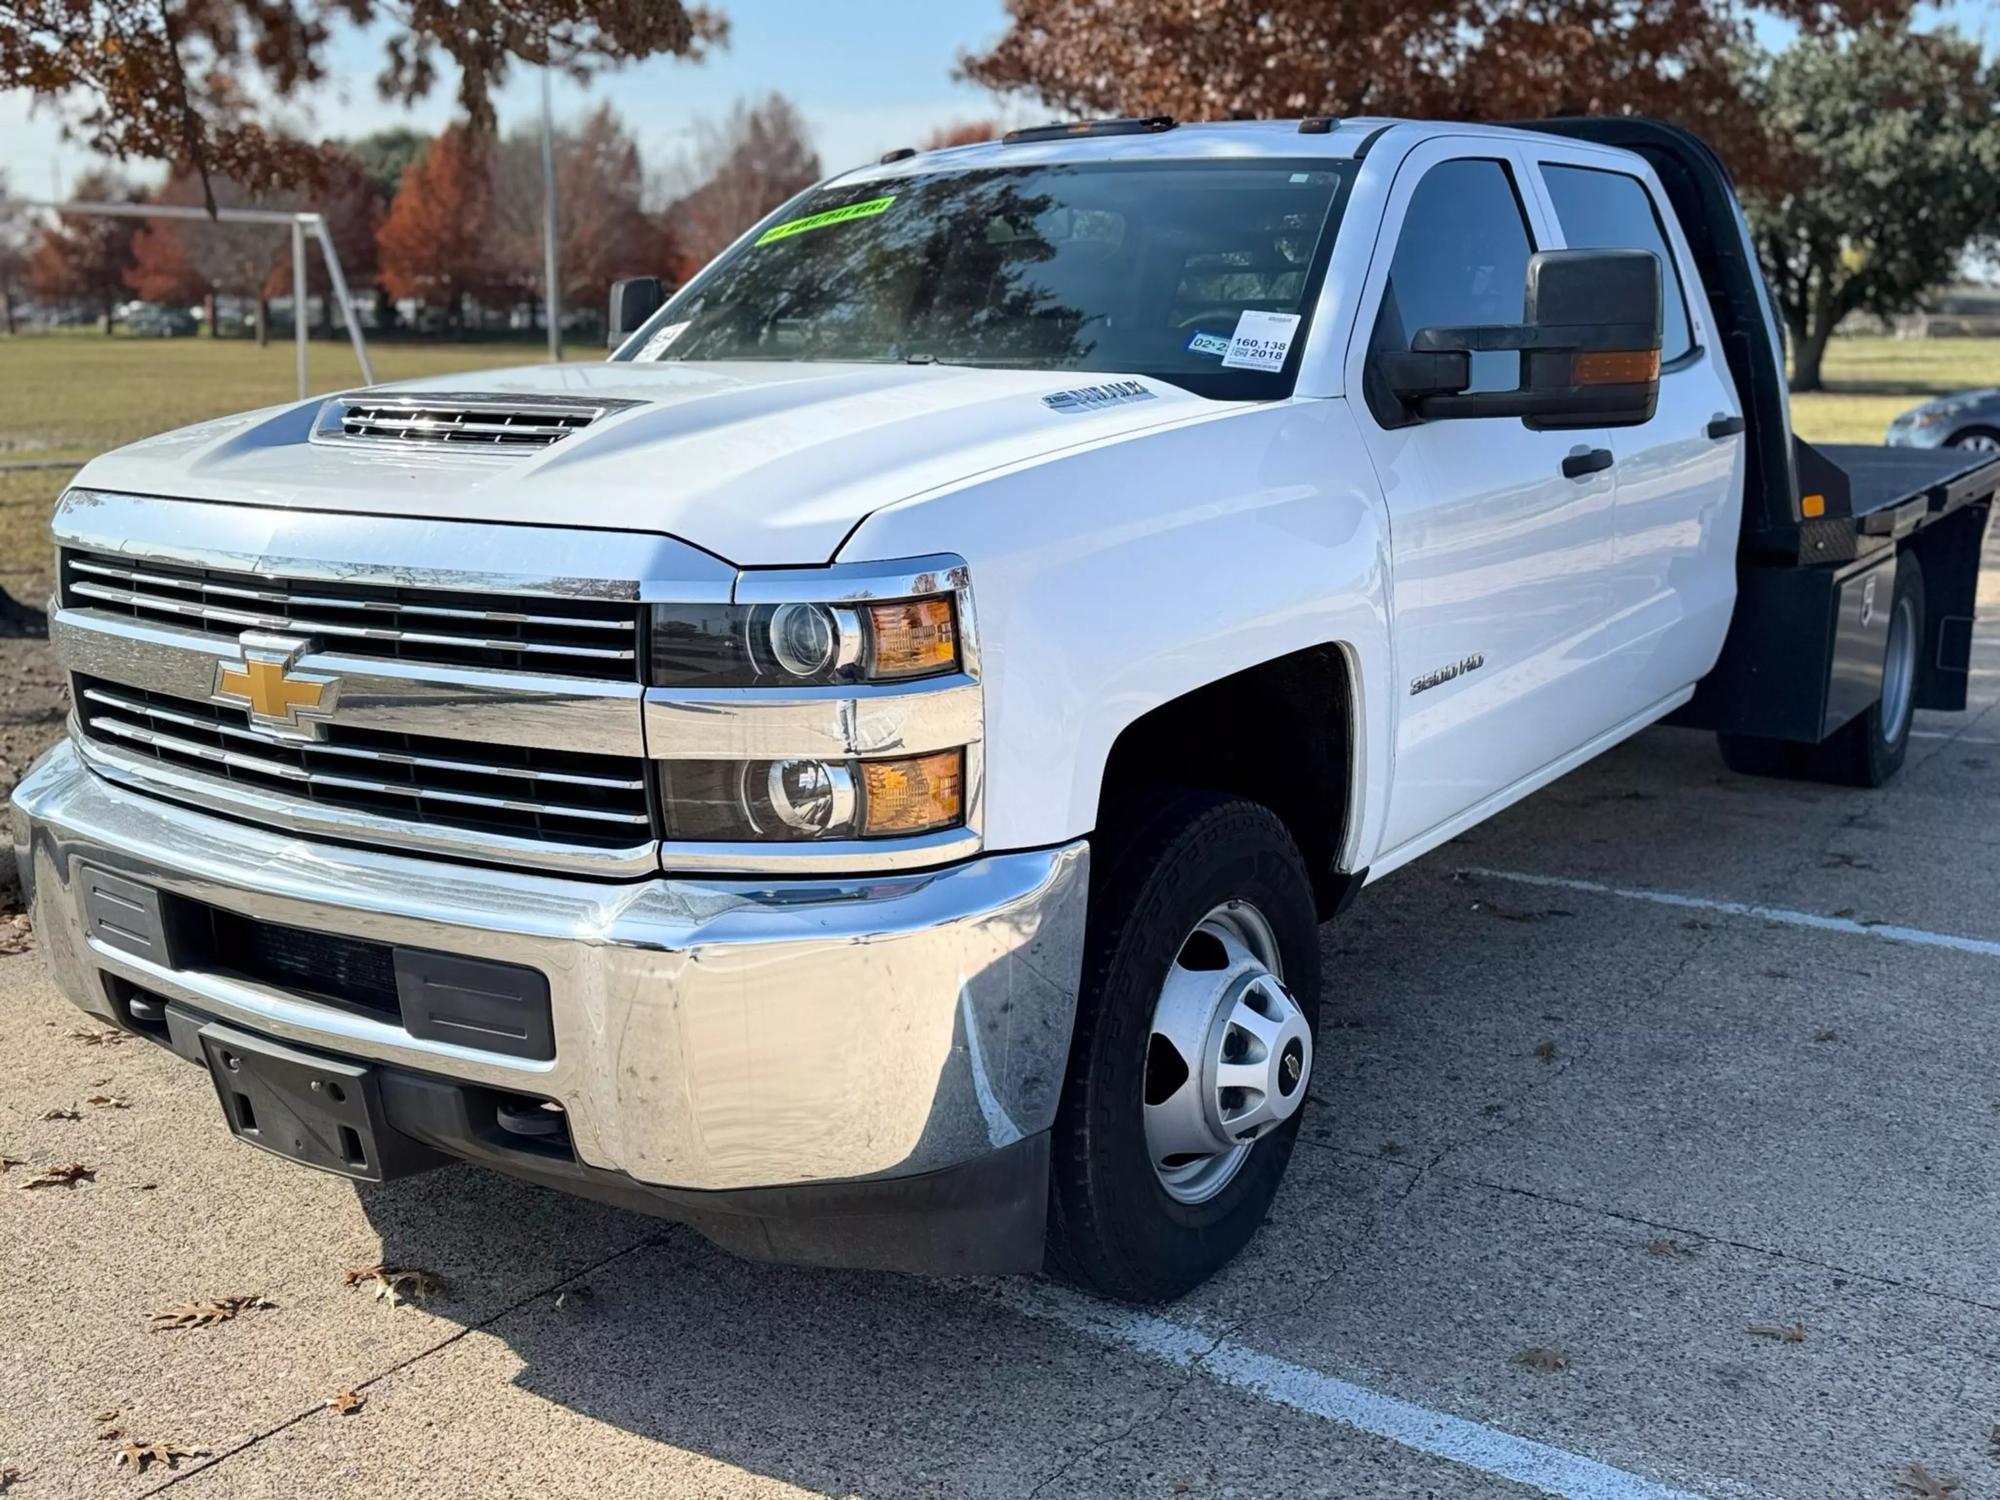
{"x": 1919, "y": 1481}
{"x": 61, "y": 1114}
{"x": 110, "y": 1036}
{"x": 1548, "y": 1361}
{"x": 9, "y": 1477}
{"x": 347, "y": 1403}
{"x": 67, "y": 1175}
{"x": 7, "y": 1162}
{"x": 1546, "y": 1052}
{"x": 135, "y": 1456}
{"x": 17, "y": 934}
{"x": 108, "y": 1101}
{"x": 1670, "y": 1249}
{"x": 574, "y": 1298}
{"x": 397, "y": 1285}
{"x": 1794, "y": 1334}
{"x": 204, "y": 1312}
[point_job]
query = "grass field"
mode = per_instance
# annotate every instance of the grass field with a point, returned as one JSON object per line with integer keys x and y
{"x": 74, "y": 395}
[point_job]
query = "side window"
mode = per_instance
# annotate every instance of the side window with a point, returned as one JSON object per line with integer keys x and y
{"x": 1601, "y": 210}
{"x": 1461, "y": 257}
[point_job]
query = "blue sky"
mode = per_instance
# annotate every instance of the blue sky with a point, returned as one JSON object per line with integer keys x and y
{"x": 868, "y": 75}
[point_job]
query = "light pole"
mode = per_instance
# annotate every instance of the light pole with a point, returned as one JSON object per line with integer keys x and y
{"x": 551, "y": 289}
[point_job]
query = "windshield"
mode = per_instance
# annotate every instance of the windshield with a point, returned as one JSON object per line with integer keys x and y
{"x": 1197, "y": 273}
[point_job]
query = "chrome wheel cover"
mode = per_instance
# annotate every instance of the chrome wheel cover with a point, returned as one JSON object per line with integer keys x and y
{"x": 1899, "y": 669}
{"x": 1228, "y": 1055}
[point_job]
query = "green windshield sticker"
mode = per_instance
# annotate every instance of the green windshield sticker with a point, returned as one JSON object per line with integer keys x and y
{"x": 866, "y": 210}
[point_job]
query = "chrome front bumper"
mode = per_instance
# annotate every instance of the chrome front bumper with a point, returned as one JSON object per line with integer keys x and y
{"x": 710, "y": 1034}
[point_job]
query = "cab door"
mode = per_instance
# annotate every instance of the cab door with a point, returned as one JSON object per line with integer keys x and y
{"x": 1680, "y": 484}
{"x": 1502, "y": 537}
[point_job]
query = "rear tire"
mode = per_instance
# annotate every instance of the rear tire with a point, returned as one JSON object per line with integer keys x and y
{"x": 1978, "y": 439}
{"x": 1199, "y": 908}
{"x": 1869, "y": 749}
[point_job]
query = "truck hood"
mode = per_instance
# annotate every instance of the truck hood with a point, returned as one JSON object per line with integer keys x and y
{"x": 757, "y": 463}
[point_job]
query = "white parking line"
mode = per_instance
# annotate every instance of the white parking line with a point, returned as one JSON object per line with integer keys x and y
{"x": 1553, "y": 1471}
{"x": 1941, "y": 734}
{"x": 1888, "y": 930}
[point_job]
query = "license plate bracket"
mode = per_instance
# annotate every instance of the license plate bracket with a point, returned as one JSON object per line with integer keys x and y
{"x": 318, "y": 1111}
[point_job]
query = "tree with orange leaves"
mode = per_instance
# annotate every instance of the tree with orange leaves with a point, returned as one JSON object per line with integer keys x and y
{"x": 434, "y": 246}
{"x": 84, "y": 257}
{"x": 1454, "y": 60}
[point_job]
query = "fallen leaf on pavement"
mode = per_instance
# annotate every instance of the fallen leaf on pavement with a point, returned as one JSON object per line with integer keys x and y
{"x": 347, "y": 1403}
{"x": 17, "y": 934}
{"x": 396, "y": 1286}
{"x": 109, "y": 1037}
{"x": 135, "y": 1456}
{"x": 1917, "y": 1480}
{"x": 67, "y": 1175}
{"x": 204, "y": 1312}
{"x": 106, "y": 1416}
{"x": 1546, "y": 1052}
{"x": 111, "y": 1434}
{"x": 1669, "y": 1249}
{"x": 575, "y": 1298}
{"x": 10, "y": 1161}
{"x": 108, "y": 1101}
{"x": 9, "y": 1477}
{"x": 61, "y": 1114}
{"x": 1545, "y": 1360}
{"x": 1392, "y": 1148}
{"x": 1795, "y": 1334}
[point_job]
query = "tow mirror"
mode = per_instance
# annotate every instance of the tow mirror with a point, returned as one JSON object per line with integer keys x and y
{"x": 633, "y": 300}
{"x": 1590, "y": 348}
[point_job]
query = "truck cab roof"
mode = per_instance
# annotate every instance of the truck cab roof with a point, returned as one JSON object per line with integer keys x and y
{"x": 1342, "y": 140}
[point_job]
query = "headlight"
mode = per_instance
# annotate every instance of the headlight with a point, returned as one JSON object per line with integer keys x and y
{"x": 800, "y": 645}
{"x": 802, "y": 799}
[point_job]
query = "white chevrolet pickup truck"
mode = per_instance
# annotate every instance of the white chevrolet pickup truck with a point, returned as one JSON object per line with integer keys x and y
{"x": 862, "y": 770}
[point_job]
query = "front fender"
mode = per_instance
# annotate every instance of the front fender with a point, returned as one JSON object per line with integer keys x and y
{"x": 1112, "y": 579}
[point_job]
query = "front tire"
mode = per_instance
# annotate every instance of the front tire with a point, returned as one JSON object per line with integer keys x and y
{"x": 1193, "y": 1047}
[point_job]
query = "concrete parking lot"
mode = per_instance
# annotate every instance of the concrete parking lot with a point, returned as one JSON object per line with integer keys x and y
{"x": 1660, "y": 1059}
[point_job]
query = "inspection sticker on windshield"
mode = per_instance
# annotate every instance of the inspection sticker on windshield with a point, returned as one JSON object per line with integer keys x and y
{"x": 832, "y": 216}
{"x": 1261, "y": 341}
{"x": 658, "y": 344}
{"x": 1208, "y": 343}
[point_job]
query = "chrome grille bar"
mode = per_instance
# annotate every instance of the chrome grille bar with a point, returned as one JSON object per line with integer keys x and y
{"x": 236, "y": 760}
{"x": 321, "y": 601}
{"x": 364, "y": 753}
{"x": 222, "y": 614}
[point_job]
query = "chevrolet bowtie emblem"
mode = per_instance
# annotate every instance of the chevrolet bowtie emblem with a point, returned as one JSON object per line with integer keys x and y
{"x": 279, "y": 700}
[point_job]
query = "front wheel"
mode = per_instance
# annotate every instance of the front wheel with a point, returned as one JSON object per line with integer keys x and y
{"x": 1193, "y": 1048}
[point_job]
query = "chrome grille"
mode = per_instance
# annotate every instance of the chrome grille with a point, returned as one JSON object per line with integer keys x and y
{"x": 463, "y": 421}
{"x": 572, "y": 637}
{"x": 550, "y": 796}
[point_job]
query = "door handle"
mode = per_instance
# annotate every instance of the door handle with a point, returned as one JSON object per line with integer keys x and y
{"x": 1586, "y": 461}
{"x": 1720, "y": 426}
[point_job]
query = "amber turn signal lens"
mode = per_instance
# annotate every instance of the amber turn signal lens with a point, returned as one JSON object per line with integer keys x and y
{"x": 914, "y": 796}
{"x": 1812, "y": 507}
{"x": 1616, "y": 367}
{"x": 912, "y": 638}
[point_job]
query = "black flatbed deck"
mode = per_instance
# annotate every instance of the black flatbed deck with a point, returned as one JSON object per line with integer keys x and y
{"x": 1895, "y": 490}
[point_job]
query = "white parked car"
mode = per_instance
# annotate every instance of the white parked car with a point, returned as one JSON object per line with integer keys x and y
{"x": 862, "y": 770}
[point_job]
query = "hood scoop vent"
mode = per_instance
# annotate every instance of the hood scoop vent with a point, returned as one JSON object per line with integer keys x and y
{"x": 501, "y": 423}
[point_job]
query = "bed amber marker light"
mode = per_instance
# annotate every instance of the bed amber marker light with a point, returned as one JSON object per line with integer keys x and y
{"x": 1812, "y": 507}
{"x": 1615, "y": 367}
